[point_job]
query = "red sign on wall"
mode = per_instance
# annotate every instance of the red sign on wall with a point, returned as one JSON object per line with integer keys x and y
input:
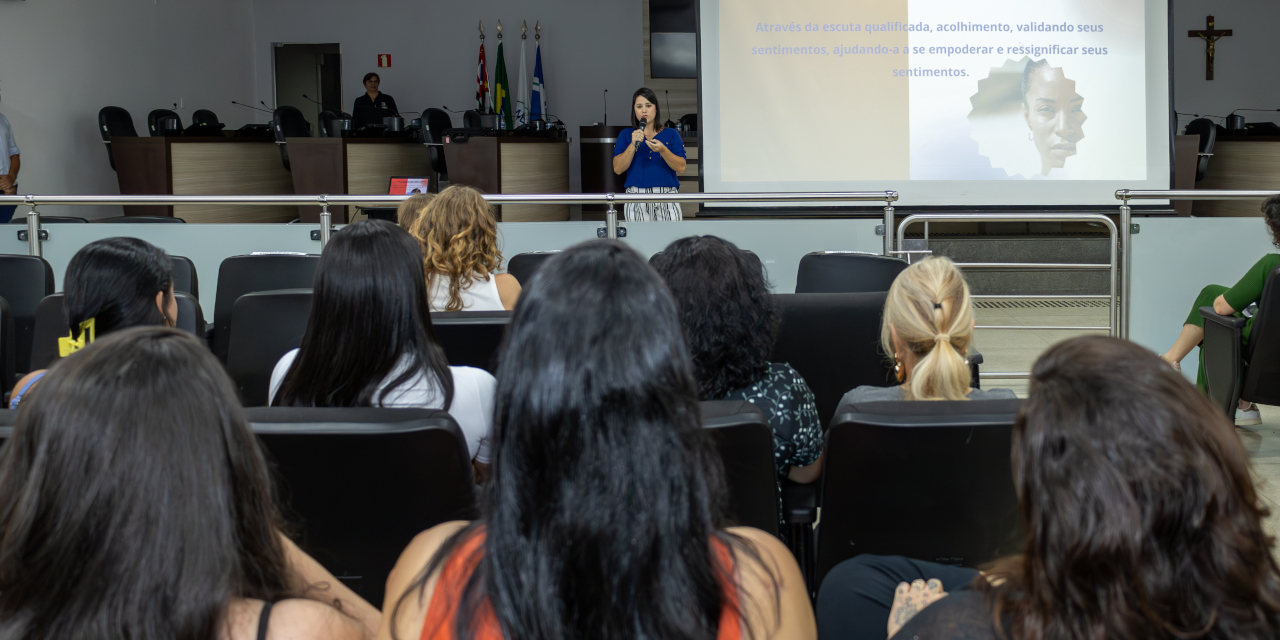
{"x": 384, "y": 60}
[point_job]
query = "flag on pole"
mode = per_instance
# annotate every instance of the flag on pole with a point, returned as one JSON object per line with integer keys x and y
{"x": 522, "y": 91}
{"x": 502, "y": 92}
{"x": 482, "y": 84}
{"x": 538, "y": 101}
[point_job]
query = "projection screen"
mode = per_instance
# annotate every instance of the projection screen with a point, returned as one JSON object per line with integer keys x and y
{"x": 999, "y": 102}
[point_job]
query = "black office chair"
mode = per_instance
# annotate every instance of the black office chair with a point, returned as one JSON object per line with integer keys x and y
{"x": 471, "y": 119}
{"x": 471, "y": 338}
{"x": 156, "y": 127}
{"x": 1208, "y": 132}
{"x": 925, "y": 480}
{"x": 744, "y": 441}
{"x": 833, "y": 341}
{"x": 265, "y": 325}
{"x": 204, "y": 123}
{"x": 8, "y": 373}
{"x": 115, "y": 121}
{"x": 690, "y": 120}
{"x": 27, "y": 280}
{"x": 361, "y": 483}
{"x": 326, "y": 123}
{"x": 204, "y": 116}
{"x": 1250, "y": 372}
{"x": 239, "y": 275}
{"x": 435, "y": 123}
{"x": 846, "y": 272}
{"x": 185, "y": 278}
{"x": 51, "y": 324}
{"x": 524, "y": 265}
{"x": 140, "y": 220}
{"x": 61, "y": 220}
{"x": 288, "y": 122}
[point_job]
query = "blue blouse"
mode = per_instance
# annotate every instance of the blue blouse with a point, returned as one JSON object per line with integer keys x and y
{"x": 648, "y": 169}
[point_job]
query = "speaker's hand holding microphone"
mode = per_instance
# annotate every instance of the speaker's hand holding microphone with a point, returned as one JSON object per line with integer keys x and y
{"x": 637, "y": 134}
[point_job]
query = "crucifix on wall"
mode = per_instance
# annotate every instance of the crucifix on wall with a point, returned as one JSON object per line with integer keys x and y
{"x": 1211, "y": 37}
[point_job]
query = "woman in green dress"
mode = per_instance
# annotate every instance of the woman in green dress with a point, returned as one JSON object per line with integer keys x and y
{"x": 1227, "y": 301}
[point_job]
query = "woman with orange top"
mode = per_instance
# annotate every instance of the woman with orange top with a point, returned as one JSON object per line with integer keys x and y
{"x": 603, "y": 516}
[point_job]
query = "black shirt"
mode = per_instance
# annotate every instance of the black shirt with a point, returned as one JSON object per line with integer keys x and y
{"x": 384, "y": 102}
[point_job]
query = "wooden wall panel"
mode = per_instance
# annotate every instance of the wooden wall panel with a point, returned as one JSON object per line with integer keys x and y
{"x": 204, "y": 169}
{"x": 534, "y": 167}
{"x": 1239, "y": 164}
{"x": 370, "y": 166}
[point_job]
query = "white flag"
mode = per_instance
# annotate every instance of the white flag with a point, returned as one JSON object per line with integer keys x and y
{"x": 522, "y": 91}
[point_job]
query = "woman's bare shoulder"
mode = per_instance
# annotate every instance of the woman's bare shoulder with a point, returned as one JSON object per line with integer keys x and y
{"x": 291, "y": 619}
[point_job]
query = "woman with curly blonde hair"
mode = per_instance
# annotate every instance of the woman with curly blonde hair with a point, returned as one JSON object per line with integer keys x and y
{"x": 460, "y": 254}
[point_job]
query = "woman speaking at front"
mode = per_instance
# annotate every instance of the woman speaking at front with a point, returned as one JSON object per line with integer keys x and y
{"x": 652, "y": 157}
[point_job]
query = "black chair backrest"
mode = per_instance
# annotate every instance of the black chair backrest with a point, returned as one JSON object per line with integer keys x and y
{"x": 833, "y": 341}
{"x": 745, "y": 442}
{"x": 140, "y": 220}
{"x": 925, "y": 480}
{"x": 1208, "y": 132}
{"x": 51, "y": 324}
{"x": 524, "y": 265}
{"x": 846, "y": 272}
{"x": 61, "y": 220}
{"x": 288, "y": 122}
{"x": 7, "y": 420}
{"x": 153, "y": 122}
{"x": 326, "y": 123}
{"x": 7, "y": 371}
{"x": 471, "y": 119}
{"x": 363, "y": 482}
{"x": 184, "y": 276}
{"x": 435, "y": 123}
{"x": 204, "y": 116}
{"x": 265, "y": 325}
{"x": 690, "y": 120}
{"x": 239, "y": 275}
{"x": 114, "y": 121}
{"x": 471, "y": 338}
{"x": 1262, "y": 353}
{"x": 27, "y": 280}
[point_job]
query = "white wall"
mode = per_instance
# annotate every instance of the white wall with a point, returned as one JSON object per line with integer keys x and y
{"x": 66, "y": 59}
{"x": 588, "y": 46}
{"x": 1244, "y": 64}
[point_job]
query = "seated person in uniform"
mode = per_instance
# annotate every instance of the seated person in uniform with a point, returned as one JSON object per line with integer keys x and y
{"x": 1233, "y": 301}
{"x": 928, "y": 325}
{"x": 459, "y": 238}
{"x": 731, "y": 322}
{"x": 111, "y": 284}
{"x": 138, "y": 504}
{"x": 603, "y": 518}
{"x": 1141, "y": 521}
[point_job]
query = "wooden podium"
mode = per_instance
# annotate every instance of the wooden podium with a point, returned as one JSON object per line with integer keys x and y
{"x": 355, "y": 166}
{"x": 508, "y": 164}
{"x": 596, "y": 144}
{"x": 201, "y": 166}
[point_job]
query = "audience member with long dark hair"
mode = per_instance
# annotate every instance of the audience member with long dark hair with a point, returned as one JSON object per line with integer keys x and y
{"x": 136, "y": 504}
{"x": 1140, "y": 515}
{"x": 928, "y": 326}
{"x": 731, "y": 322}
{"x": 603, "y": 517}
{"x": 369, "y": 340}
{"x": 111, "y": 284}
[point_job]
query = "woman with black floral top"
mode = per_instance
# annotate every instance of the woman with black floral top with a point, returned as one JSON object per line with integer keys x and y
{"x": 731, "y": 321}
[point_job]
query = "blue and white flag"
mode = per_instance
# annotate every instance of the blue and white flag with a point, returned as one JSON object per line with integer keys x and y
{"x": 538, "y": 102}
{"x": 522, "y": 91}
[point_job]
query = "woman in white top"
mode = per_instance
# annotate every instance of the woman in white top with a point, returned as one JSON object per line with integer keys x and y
{"x": 460, "y": 255}
{"x": 369, "y": 340}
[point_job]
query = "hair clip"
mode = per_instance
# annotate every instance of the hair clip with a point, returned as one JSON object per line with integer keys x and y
{"x": 937, "y": 305}
{"x": 69, "y": 345}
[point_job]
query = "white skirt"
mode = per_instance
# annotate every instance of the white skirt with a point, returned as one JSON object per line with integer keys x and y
{"x": 650, "y": 211}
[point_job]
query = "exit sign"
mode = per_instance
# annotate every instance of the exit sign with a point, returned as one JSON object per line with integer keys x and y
{"x": 384, "y": 60}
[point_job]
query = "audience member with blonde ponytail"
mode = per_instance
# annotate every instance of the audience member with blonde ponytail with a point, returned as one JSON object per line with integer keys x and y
{"x": 460, "y": 255}
{"x": 927, "y": 327}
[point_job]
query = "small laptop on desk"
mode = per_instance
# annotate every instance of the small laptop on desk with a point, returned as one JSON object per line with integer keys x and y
{"x": 399, "y": 186}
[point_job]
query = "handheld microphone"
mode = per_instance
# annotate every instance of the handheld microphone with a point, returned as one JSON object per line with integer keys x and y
{"x": 644, "y": 122}
{"x": 669, "y": 122}
{"x": 248, "y": 106}
{"x": 605, "y": 99}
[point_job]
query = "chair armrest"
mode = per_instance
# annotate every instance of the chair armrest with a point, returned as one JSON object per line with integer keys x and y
{"x": 800, "y": 502}
{"x": 974, "y": 356}
{"x": 1231, "y": 321}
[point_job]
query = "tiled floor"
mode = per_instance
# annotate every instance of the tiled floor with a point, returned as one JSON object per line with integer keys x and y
{"x": 1017, "y": 349}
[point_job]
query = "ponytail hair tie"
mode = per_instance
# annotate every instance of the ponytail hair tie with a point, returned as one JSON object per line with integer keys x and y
{"x": 69, "y": 345}
{"x": 937, "y": 305}
{"x": 941, "y": 337}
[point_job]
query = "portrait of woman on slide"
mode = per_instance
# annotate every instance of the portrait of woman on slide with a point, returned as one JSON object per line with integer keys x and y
{"x": 1053, "y": 112}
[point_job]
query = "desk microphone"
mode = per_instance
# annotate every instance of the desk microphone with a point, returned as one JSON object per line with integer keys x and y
{"x": 315, "y": 102}
{"x": 248, "y": 106}
{"x": 268, "y": 107}
{"x": 606, "y": 107}
{"x": 644, "y": 122}
{"x": 669, "y": 122}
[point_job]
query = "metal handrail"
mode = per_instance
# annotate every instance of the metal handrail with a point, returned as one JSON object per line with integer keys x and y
{"x": 1125, "y": 195}
{"x": 324, "y": 201}
{"x": 1115, "y": 327}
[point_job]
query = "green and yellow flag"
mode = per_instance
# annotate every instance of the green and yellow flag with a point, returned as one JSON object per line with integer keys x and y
{"x": 502, "y": 92}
